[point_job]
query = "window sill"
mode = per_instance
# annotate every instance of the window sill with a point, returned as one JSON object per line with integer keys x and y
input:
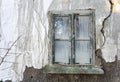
{"x": 72, "y": 69}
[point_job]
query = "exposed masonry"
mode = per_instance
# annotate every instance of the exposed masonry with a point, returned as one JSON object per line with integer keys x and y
{"x": 112, "y": 74}
{"x": 111, "y": 69}
{"x": 103, "y": 23}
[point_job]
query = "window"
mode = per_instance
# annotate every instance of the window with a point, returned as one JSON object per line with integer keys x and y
{"x": 73, "y": 38}
{"x": 72, "y": 43}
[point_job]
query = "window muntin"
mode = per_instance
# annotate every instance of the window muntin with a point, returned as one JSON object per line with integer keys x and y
{"x": 72, "y": 39}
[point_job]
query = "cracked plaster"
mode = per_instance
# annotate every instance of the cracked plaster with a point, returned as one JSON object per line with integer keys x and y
{"x": 35, "y": 48}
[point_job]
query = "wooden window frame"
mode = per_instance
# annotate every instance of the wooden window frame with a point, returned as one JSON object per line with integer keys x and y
{"x": 70, "y": 68}
{"x": 72, "y": 13}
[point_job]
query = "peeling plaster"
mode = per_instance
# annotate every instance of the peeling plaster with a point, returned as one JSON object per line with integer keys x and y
{"x": 32, "y": 49}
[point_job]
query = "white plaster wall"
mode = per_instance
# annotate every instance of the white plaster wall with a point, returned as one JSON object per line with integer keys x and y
{"x": 112, "y": 31}
{"x": 8, "y": 24}
{"x": 28, "y": 19}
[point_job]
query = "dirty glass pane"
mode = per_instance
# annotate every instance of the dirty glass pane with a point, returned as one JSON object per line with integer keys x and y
{"x": 81, "y": 27}
{"x": 62, "y": 27}
{"x": 62, "y": 51}
{"x": 82, "y": 52}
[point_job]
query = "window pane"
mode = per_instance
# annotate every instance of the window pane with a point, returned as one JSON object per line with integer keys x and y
{"x": 62, "y": 27}
{"x": 62, "y": 51}
{"x": 81, "y": 27}
{"x": 83, "y": 52}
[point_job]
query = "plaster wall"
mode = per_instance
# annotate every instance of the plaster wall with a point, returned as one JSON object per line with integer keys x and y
{"x": 28, "y": 19}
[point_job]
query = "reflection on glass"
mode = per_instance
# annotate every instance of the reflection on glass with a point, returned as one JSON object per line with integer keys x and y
{"x": 81, "y": 27}
{"x": 62, "y": 27}
{"x": 62, "y": 51}
{"x": 83, "y": 51}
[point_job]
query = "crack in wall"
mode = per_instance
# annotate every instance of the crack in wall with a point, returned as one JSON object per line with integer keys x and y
{"x": 103, "y": 23}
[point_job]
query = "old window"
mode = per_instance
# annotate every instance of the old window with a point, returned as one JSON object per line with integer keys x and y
{"x": 73, "y": 38}
{"x": 72, "y": 42}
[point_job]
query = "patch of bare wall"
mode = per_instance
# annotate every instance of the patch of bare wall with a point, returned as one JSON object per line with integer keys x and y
{"x": 112, "y": 74}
